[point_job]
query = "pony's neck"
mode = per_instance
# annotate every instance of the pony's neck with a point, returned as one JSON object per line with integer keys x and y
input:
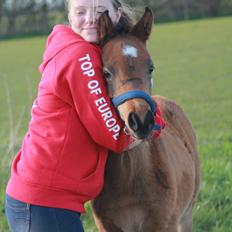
{"x": 130, "y": 166}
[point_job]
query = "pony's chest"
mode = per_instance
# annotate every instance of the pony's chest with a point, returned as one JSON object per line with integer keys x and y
{"x": 130, "y": 218}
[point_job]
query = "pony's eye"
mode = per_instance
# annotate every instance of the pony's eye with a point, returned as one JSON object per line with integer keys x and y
{"x": 151, "y": 68}
{"x": 107, "y": 75}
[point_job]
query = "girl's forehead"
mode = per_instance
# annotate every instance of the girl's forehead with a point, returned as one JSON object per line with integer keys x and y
{"x": 91, "y": 3}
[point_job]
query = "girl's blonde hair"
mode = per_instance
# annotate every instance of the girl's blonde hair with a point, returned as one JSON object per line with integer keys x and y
{"x": 127, "y": 18}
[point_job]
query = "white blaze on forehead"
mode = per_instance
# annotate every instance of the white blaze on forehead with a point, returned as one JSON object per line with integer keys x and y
{"x": 130, "y": 51}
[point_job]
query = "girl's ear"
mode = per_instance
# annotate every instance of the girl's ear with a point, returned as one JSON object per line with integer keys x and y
{"x": 105, "y": 26}
{"x": 143, "y": 27}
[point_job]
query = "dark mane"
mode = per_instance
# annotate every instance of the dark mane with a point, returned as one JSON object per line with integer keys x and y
{"x": 123, "y": 27}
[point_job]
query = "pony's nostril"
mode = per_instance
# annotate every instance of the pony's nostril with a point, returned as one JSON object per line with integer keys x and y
{"x": 133, "y": 121}
{"x": 149, "y": 120}
{"x": 141, "y": 129}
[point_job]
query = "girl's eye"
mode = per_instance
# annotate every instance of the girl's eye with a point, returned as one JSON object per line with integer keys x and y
{"x": 80, "y": 13}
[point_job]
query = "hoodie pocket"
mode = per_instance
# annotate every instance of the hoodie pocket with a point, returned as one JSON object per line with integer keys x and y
{"x": 49, "y": 125}
{"x": 91, "y": 185}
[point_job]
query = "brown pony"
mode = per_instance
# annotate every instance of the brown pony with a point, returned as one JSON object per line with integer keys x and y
{"x": 153, "y": 186}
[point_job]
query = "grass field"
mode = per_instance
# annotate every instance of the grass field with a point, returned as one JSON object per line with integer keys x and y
{"x": 193, "y": 67}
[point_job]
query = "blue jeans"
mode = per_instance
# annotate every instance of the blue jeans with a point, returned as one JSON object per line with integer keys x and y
{"x": 23, "y": 217}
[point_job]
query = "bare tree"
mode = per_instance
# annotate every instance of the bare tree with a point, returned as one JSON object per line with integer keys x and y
{"x": 13, "y": 8}
{"x": 44, "y": 16}
{"x": 186, "y": 9}
{"x": 2, "y": 2}
{"x": 39, "y": 15}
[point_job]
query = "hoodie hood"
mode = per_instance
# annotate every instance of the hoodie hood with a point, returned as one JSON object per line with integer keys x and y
{"x": 61, "y": 37}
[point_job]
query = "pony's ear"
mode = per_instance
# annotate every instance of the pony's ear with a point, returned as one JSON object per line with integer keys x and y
{"x": 105, "y": 26}
{"x": 143, "y": 27}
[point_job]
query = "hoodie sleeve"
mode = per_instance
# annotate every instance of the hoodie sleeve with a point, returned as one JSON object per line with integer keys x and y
{"x": 91, "y": 100}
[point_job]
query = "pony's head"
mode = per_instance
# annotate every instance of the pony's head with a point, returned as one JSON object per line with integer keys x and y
{"x": 128, "y": 68}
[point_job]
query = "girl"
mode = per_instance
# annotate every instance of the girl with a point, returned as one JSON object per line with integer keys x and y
{"x": 73, "y": 124}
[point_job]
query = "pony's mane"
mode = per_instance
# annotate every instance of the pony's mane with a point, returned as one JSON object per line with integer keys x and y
{"x": 123, "y": 27}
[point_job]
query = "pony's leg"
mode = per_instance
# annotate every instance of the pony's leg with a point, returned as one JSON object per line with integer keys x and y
{"x": 105, "y": 225}
{"x": 186, "y": 221}
{"x": 151, "y": 224}
{"x": 161, "y": 226}
{"x": 161, "y": 229}
{"x": 110, "y": 227}
{"x": 173, "y": 228}
{"x": 98, "y": 224}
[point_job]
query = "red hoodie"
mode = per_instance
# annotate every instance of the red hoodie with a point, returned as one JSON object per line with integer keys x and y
{"x": 73, "y": 125}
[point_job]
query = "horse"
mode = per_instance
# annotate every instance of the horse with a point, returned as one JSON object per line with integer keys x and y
{"x": 153, "y": 186}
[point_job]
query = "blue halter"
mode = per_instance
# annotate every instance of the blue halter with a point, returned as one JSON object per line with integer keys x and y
{"x": 134, "y": 94}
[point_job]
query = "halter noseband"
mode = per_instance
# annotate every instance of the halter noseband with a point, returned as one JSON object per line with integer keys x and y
{"x": 134, "y": 94}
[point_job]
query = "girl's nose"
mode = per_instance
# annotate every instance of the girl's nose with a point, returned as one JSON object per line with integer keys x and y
{"x": 91, "y": 17}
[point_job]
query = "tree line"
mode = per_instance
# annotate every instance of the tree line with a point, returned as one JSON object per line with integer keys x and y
{"x": 38, "y": 16}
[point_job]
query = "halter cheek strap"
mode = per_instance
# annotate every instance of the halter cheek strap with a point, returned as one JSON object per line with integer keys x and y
{"x": 134, "y": 94}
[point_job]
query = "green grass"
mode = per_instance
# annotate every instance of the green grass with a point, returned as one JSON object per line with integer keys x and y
{"x": 193, "y": 67}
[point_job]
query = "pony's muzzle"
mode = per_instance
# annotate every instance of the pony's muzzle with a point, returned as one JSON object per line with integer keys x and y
{"x": 141, "y": 128}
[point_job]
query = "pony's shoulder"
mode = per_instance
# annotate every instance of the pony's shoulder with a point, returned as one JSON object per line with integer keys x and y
{"x": 176, "y": 120}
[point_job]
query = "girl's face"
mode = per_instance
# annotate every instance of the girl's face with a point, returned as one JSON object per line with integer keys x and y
{"x": 83, "y": 15}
